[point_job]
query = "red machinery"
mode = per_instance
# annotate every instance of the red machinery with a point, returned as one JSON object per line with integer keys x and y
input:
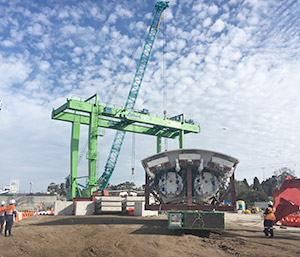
{"x": 287, "y": 200}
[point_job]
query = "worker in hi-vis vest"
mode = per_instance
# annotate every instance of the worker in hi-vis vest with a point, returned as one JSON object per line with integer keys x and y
{"x": 269, "y": 216}
{"x": 2, "y": 216}
{"x": 10, "y": 213}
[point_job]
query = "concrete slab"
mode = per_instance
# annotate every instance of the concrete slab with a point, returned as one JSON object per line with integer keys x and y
{"x": 135, "y": 198}
{"x": 84, "y": 208}
{"x": 139, "y": 210}
{"x": 62, "y": 208}
{"x": 112, "y": 204}
{"x": 111, "y": 209}
{"x": 109, "y": 199}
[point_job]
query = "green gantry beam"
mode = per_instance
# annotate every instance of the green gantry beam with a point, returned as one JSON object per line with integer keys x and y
{"x": 95, "y": 115}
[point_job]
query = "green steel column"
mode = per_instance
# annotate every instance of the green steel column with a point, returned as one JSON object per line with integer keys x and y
{"x": 181, "y": 139}
{"x": 158, "y": 146}
{"x": 74, "y": 155}
{"x": 92, "y": 155}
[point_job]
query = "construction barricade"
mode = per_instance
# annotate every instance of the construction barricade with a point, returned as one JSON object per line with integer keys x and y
{"x": 131, "y": 211}
{"x": 291, "y": 220}
{"x": 23, "y": 215}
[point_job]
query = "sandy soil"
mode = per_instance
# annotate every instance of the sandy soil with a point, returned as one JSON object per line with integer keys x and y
{"x": 116, "y": 235}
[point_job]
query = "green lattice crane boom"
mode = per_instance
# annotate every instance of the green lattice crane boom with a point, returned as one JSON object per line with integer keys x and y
{"x": 134, "y": 90}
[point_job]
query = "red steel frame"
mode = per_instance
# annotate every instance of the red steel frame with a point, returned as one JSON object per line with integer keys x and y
{"x": 287, "y": 198}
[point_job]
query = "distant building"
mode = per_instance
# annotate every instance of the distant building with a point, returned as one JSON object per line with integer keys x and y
{"x": 14, "y": 186}
{"x": 261, "y": 205}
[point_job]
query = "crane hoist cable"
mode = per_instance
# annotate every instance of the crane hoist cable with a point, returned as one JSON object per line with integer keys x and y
{"x": 132, "y": 157}
{"x": 164, "y": 87}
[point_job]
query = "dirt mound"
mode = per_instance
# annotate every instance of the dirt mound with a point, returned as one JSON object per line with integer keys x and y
{"x": 115, "y": 235}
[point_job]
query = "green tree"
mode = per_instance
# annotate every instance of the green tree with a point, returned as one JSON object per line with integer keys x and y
{"x": 246, "y": 182}
{"x": 240, "y": 187}
{"x": 250, "y": 194}
{"x": 59, "y": 189}
{"x": 269, "y": 184}
{"x": 123, "y": 186}
{"x": 277, "y": 179}
{"x": 53, "y": 188}
{"x": 282, "y": 173}
{"x": 256, "y": 185}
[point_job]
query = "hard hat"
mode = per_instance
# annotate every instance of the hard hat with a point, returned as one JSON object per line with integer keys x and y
{"x": 3, "y": 203}
{"x": 12, "y": 201}
{"x": 270, "y": 203}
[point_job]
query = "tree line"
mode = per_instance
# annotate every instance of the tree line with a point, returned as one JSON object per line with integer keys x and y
{"x": 261, "y": 192}
{"x": 250, "y": 193}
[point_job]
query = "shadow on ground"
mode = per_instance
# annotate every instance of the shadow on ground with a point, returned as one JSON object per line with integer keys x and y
{"x": 150, "y": 226}
{"x": 95, "y": 220}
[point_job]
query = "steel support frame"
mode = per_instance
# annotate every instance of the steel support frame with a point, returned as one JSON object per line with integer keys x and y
{"x": 93, "y": 154}
{"x": 74, "y": 156}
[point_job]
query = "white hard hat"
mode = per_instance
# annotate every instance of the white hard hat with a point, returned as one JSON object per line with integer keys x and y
{"x": 3, "y": 203}
{"x": 12, "y": 201}
{"x": 270, "y": 203}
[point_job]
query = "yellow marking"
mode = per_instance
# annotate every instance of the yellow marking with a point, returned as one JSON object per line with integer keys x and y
{"x": 159, "y": 21}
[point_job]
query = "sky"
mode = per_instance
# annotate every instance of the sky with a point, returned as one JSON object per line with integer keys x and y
{"x": 233, "y": 66}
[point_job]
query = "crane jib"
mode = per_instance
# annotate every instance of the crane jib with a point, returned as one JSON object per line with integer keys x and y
{"x": 134, "y": 90}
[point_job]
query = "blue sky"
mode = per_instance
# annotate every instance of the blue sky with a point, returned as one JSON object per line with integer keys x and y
{"x": 233, "y": 66}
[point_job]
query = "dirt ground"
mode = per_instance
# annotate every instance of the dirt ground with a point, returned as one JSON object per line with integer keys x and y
{"x": 120, "y": 235}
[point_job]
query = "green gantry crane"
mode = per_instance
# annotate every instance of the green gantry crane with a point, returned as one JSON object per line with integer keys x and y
{"x": 134, "y": 90}
{"x": 89, "y": 112}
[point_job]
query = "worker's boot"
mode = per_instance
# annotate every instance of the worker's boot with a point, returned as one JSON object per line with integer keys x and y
{"x": 271, "y": 232}
{"x": 266, "y": 231}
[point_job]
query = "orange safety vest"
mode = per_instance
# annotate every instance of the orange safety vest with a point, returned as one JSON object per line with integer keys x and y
{"x": 270, "y": 214}
{"x": 2, "y": 211}
{"x": 10, "y": 209}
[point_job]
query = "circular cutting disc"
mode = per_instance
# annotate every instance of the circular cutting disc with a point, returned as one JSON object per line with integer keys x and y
{"x": 170, "y": 184}
{"x": 206, "y": 184}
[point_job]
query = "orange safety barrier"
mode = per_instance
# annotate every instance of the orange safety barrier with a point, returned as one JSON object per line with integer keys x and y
{"x": 23, "y": 215}
{"x": 19, "y": 216}
{"x": 27, "y": 214}
{"x": 131, "y": 211}
{"x": 291, "y": 221}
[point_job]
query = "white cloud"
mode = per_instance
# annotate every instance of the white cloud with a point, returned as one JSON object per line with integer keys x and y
{"x": 63, "y": 14}
{"x": 122, "y": 12}
{"x": 44, "y": 65}
{"x": 137, "y": 26}
{"x": 69, "y": 29}
{"x": 218, "y": 26}
{"x": 213, "y": 9}
{"x": 36, "y": 29}
{"x": 78, "y": 50}
{"x": 7, "y": 43}
{"x": 105, "y": 30}
{"x": 181, "y": 43}
{"x": 197, "y": 7}
{"x": 244, "y": 79}
{"x": 13, "y": 69}
{"x": 112, "y": 19}
{"x": 207, "y": 22}
{"x": 46, "y": 42}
